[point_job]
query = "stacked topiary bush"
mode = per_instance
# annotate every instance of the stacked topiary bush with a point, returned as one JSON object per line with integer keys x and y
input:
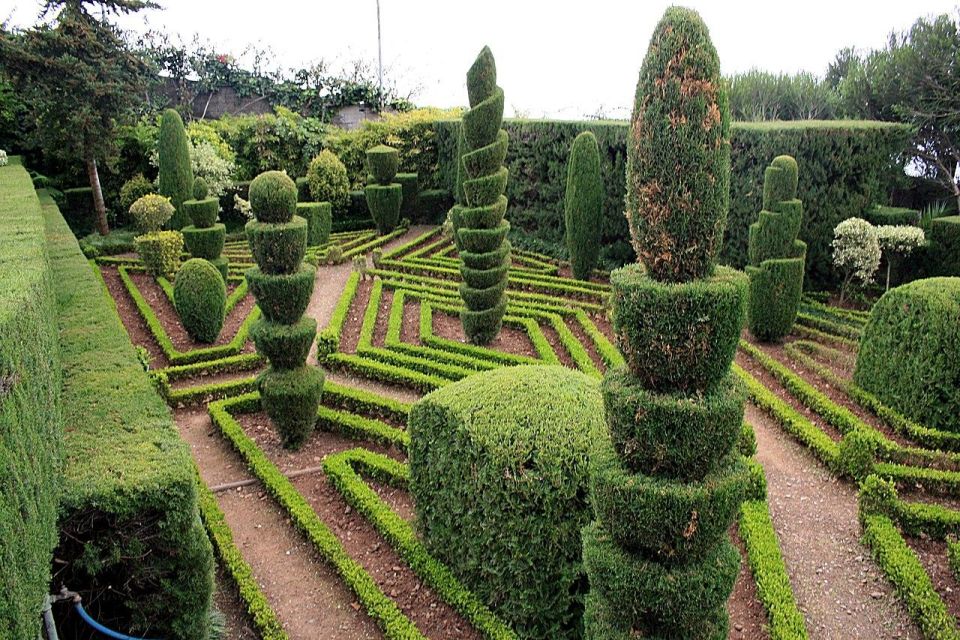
{"x": 205, "y": 237}
{"x": 159, "y": 250}
{"x": 668, "y": 483}
{"x": 776, "y": 256}
{"x": 282, "y": 283}
{"x": 479, "y": 225}
{"x": 384, "y": 196}
{"x": 583, "y": 205}
{"x": 176, "y": 172}
{"x": 200, "y": 296}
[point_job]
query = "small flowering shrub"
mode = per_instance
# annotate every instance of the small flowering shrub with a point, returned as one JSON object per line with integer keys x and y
{"x": 209, "y": 164}
{"x": 856, "y": 252}
{"x": 243, "y": 207}
{"x": 151, "y": 211}
{"x": 897, "y": 242}
{"x": 3, "y": 158}
{"x": 160, "y": 252}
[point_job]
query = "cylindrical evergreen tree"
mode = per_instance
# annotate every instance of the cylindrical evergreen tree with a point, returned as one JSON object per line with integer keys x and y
{"x": 776, "y": 256}
{"x": 205, "y": 237}
{"x": 668, "y": 483}
{"x": 479, "y": 225}
{"x": 583, "y": 205}
{"x": 176, "y": 172}
{"x": 282, "y": 284}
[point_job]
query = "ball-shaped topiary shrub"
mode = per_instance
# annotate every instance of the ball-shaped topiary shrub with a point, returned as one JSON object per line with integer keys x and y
{"x": 499, "y": 477}
{"x": 328, "y": 180}
{"x": 200, "y": 189}
{"x": 134, "y": 189}
{"x": 910, "y": 351}
{"x": 583, "y": 205}
{"x": 678, "y": 152}
{"x": 176, "y": 173}
{"x": 200, "y": 297}
{"x": 160, "y": 251}
{"x": 151, "y": 212}
{"x": 273, "y": 197}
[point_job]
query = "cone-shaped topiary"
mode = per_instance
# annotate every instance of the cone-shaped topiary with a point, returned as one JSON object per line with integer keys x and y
{"x": 200, "y": 296}
{"x": 384, "y": 196}
{"x": 176, "y": 172}
{"x": 479, "y": 227}
{"x": 776, "y": 256}
{"x": 282, "y": 284}
{"x": 668, "y": 482}
{"x": 583, "y": 205}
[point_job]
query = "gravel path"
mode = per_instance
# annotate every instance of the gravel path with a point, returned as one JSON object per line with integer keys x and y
{"x": 841, "y": 592}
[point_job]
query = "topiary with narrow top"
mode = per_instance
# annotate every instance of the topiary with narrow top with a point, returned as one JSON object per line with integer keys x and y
{"x": 176, "y": 172}
{"x": 200, "y": 297}
{"x": 478, "y": 221}
{"x": 384, "y": 196}
{"x": 667, "y": 481}
{"x": 282, "y": 284}
{"x": 205, "y": 237}
{"x": 583, "y": 205}
{"x": 776, "y": 256}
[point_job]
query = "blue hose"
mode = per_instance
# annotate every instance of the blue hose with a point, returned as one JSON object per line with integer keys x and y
{"x": 110, "y": 633}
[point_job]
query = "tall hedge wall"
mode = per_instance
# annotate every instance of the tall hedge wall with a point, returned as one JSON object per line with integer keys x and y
{"x": 131, "y": 533}
{"x": 31, "y": 420}
{"x": 843, "y": 163}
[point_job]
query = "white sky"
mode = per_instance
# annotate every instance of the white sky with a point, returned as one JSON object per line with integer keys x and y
{"x": 555, "y": 59}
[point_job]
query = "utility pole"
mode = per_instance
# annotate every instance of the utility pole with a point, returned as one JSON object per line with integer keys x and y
{"x": 379, "y": 64}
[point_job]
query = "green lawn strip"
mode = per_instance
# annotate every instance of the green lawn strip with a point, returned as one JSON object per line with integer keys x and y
{"x": 829, "y": 326}
{"x": 262, "y": 615}
{"x": 925, "y": 436}
{"x": 378, "y": 606}
{"x": 903, "y": 568}
{"x": 342, "y": 469}
{"x": 175, "y": 356}
{"x": 770, "y": 572}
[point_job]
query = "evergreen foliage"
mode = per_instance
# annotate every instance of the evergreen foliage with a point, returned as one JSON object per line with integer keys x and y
{"x": 200, "y": 297}
{"x": 176, "y": 173}
{"x": 384, "y": 197}
{"x": 583, "y": 205}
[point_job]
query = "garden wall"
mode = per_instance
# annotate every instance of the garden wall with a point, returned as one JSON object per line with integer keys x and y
{"x": 31, "y": 422}
{"x": 131, "y": 538}
{"x": 843, "y": 165}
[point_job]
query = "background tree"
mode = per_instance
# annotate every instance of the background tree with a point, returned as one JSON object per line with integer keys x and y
{"x": 80, "y": 79}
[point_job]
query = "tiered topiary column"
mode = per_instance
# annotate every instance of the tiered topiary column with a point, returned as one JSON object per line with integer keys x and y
{"x": 668, "y": 483}
{"x": 384, "y": 196}
{"x": 205, "y": 237}
{"x": 282, "y": 284}
{"x": 479, "y": 225}
{"x": 776, "y": 256}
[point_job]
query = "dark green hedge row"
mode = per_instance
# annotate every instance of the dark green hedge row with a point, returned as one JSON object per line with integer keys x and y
{"x": 843, "y": 163}
{"x": 129, "y": 513}
{"x": 31, "y": 419}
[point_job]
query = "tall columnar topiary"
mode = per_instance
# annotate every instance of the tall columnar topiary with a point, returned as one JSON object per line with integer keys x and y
{"x": 176, "y": 172}
{"x": 776, "y": 256}
{"x": 200, "y": 297}
{"x": 667, "y": 484}
{"x": 205, "y": 237}
{"x": 583, "y": 205}
{"x": 480, "y": 228}
{"x": 282, "y": 284}
{"x": 384, "y": 196}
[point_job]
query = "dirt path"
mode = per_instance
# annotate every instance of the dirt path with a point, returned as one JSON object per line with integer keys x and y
{"x": 841, "y": 592}
{"x": 308, "y": 596}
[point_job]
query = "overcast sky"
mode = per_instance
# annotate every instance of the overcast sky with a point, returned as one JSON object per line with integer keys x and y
{"x": 554, "y": 59}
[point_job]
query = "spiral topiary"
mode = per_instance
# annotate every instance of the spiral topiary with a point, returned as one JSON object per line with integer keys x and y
{"x": 200, "y": 297}
{"x": 384, "y": 196}
{"x": 176, "y": 172}
{"x": 583, "y": 205}
{"x": 776, "y": 256}
{"x": 668, "y": 482}
{"x": 282, "y": 284}
{"x": 478, "y": 220}
{"x": 205, "y": 237}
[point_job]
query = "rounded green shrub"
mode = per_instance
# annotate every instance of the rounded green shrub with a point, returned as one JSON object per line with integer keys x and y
{"x": 273, "y": 197}
{"x": 492, "y": 442}
{"x": 134, "y": 189}
{"x": 879, "y": 215}
{"x": 200, "y": 296}
{"x": 383, "y": 163}
{"x": 678, "y": 152}
{"x": 203, "y": 213}
{"x": 678, "y": 336}
{"x": 319, "y": 217}
{"x": 290, "y": 398}
{"x": 278, "y": 248}
{"x": 200, "y": 189}
{"x": 600, "y": 622}
{"x": 222, "y": 265}
{"x": 583, "y": 205}
{"x": 282, "y": 297}
{"x": 160, "y": 251}
{"x": 285, "y": 345}
{"x": 328, "y": 180}
{"x": 151, "y": 212}
{"x": 176, "y": 173}
{"x": 384, "y": 202}
{"x": 204, "y": 243}
{"x": 910, "y": 351}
